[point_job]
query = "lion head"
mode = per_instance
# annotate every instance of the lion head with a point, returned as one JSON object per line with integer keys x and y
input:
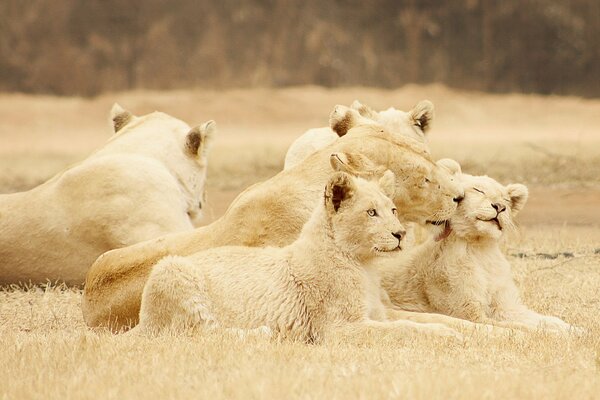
{"x": 487, "y": 209}
{"x": 362, "y": 217}
{"x": 414, "y": 124}
{"x": 425, "y": 191}
{"x": 183, "y": 149}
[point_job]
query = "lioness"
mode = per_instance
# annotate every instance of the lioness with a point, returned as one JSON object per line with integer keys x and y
{"x": 273, "y": 212}
{"x": 462, "y": 272}
{"x": 414, "y": 123}
{"x": 319, "y": 283}
{"x": 147, "y": 181}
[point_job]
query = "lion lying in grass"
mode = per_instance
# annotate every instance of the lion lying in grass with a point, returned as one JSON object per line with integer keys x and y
{"x": 273, "y": 212}
{"x": 462, "y": 272}
{"x": 414, "y": 124}
{"x": 303, "y": 291}
{"x": 147, "y": 181}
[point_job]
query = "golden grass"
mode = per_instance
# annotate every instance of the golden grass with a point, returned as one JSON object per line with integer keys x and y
{"x": 48, "y": 352}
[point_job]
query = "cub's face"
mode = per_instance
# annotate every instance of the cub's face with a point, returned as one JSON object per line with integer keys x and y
{"x": 488, "y": 208}
{"x": 363, "y": 218}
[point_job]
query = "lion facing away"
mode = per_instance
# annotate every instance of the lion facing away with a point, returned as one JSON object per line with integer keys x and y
{"x": 302, "y": 291}
{"x": 414, "y": 124}
{"x": 272, "y": 213}
{"x": 462, "y": 272}
{"x": 147, "y": 181}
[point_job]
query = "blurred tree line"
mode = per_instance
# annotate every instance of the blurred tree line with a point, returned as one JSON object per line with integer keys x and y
{"x": 84, "y": 47}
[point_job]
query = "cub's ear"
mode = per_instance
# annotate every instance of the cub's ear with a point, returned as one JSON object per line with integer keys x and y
{"x": 199, "y": 139}
{"x": 355, "y": 164}
{"x": 387, "y": 183}
{"x": 343, "y": 118}
{"x": 450, "y": 165}
{"x": 518, "y": 197}
{"x": 422, "y": 115}
{"x": 340, "y": 188}
{"x": 119, "y": 117}
{"x": 364, "y": 110}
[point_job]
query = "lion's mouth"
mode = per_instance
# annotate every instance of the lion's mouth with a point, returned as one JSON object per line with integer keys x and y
{"x": 378, "y": 250}
{"x": 437, "y": 223}
{"x": 494, "y": 220}
{"x": 445, "y": 233}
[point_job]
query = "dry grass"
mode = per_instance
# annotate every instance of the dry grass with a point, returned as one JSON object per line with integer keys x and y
{"x": 48, "y": 352}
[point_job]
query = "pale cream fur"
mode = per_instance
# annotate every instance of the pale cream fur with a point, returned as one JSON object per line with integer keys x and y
{"x": 273, "y": 212}
{"x": 414, "y": 124}
{"x": 147, "y": 181}
{"x": 466, "y": 275}
{"x": 317, "y": 285}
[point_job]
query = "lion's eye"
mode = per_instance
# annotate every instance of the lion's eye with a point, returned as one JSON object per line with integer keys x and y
{"x": 372, "y": 212}
{"x": 477, "y": 190}
{"x": 427, "y": 180}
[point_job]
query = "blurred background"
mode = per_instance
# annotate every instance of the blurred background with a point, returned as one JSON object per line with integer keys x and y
{"x": 515, "y": 82}
{"x": 86, "y": 47}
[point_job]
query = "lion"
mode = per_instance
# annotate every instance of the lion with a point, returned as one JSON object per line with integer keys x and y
{"x": 318, "y": 284}
{"x": 146, "y": 181}
{"x": 414, "y": 124}
{"x": 461, "y": 272}
{"x": 273, "y": 212}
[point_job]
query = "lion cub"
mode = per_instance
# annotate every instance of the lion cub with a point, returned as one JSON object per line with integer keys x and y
{"x": 462, "y": 272}
{"x": 301, "y": 291}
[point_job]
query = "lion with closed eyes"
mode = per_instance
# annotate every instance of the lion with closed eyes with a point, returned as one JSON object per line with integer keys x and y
{"x": 461, "y": 272}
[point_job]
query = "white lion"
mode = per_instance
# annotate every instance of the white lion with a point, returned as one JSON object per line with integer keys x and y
{"x": 272, "y": 213}
{"x": 462, "y": 272}
{"x": 414, "y": 124}
{"x": 147, "y": 181}
{"x": 302, "y": 291}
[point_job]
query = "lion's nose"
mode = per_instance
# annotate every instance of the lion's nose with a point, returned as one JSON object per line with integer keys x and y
{"x": 499, "y": 207}
{"x": 399, "y": 234}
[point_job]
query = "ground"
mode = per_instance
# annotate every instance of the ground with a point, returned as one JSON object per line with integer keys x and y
{"x": 549, "y": 143}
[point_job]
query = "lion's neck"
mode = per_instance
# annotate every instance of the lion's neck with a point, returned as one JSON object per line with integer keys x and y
{"x": 316, "y": 247}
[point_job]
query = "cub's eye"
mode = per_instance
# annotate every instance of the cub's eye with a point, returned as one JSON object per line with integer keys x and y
{"x": 427, "y": 180}
{"x": 372, "y": 212}
{"x": 477, "y": 190}
{"x": 395, "y": 211}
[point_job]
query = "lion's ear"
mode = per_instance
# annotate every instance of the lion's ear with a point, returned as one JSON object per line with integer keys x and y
{"x": 199, "y": 138}
{"x": 387, "y": 183}
{"x": 518, "y": 197}
{"x": 364, "y": 110}
{"x": 119, "y": 117}
{"x": 353, "y": 163}
{"x": 450, "y": 165}
{"x": 422, "y": 115}
{"x": 343, "y": 118}
{"x": 340, "y": 188}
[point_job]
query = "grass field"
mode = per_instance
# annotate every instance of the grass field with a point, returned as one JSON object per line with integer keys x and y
{"x": 549, "y": 143}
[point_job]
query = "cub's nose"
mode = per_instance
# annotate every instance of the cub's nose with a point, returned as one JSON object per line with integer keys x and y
{"x": 399, "y": 234}
{"x": 499, "y": 207}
